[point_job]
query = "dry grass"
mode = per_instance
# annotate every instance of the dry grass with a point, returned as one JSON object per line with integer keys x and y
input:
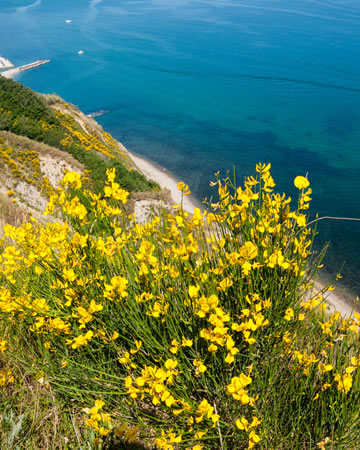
{"x": 30, "y": 415}
{"x": 11, "y": 213}
{"x": 15, "y": 141}
{"x": 51, "y": 99}
{"x": 163, "y": 196}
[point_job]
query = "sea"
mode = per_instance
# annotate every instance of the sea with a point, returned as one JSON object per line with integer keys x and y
{"x": 200, "y": 86}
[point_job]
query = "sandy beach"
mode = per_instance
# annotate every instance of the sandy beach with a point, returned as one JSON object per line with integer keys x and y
{"x": 10, "y": 73}
{"x": 338, "y": 300}
{"x": 166, "y": 181}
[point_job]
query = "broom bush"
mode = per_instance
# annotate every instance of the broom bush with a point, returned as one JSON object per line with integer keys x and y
{"x": 193, "y": 331}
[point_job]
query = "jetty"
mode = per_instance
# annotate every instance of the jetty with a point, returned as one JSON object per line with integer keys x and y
{"x": 12, "y": 72}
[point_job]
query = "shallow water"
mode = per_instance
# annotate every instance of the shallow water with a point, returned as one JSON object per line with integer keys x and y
{"x": 200, "y": 86}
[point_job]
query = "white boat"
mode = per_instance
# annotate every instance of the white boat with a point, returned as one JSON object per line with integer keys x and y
{"x": 68, "y": 21}
{"x": 80, "y": 52}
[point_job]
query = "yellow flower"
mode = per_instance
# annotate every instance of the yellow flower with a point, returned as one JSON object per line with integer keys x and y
{"x": 113, "y": 190}
{"x": 200, "y": 367}
{"x": 236, "y": 388}
{"x": 225, "y": 284}
{"x": 301, "y": 182}
{"x": 253, "y": 439}
{"x": 131, "y": 434}
{"x": 175, "y": 346}
{"x": 2, "y": 346}
{"x": 171, "y": 364}
{"x": 325, "y": 367}
{"x": 6, "y": 376}
{"x": 322, "y": 443}
{"x": 262, "y": 167}
{"x": 344, "y": 382}
{"x": 114, "y": 336}
{"x": 82, "y": 340}
{"x": 206, "y": 410}
{"x": 243, "y": 423}
{"x": 186, "y": 342}
{"x": 193, "y": 291}
{"x": 199, "y": 434}
{"x": 212, "y": 348}
{"x": 248, "y": 250}
{"x": 184, "y": 188}
{"x": 69, "y": 275}
{"x": 289, "y": 314}
{"x": 38, "y": 270}
{"x": 110, "y": 173}
{"x": 138, "y": 345}
{"x": 73, "y": 179}
{"x": 118, "y": 286}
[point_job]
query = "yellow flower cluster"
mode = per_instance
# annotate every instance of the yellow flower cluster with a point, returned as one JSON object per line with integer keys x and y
{"x": 103, "y": 143}
{"x": 114, "y": 145}
{"x": 6, "y": 376}
{"x": 24, "y": 165}
{"x": 175, "y": 320}
{"x": 98, "y": 420}
{"x": 112, "y": 189}
{"x": 127, "y": 432}
{"x": 245, "y": 425}
{"x": 167, "y": 439}
{"x": 237, "y": 391}
{"x": 154, "y": 381}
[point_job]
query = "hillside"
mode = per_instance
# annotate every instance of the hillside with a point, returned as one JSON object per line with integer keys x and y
{"x": 42, "y": 137}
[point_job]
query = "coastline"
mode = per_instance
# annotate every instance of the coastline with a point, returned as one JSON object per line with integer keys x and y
{"x": 11, "y": 73}
{"x": 337, "y": 300}
{"x": 165, "y": 181}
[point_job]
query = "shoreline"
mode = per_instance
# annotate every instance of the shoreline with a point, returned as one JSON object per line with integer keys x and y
{"x": 339, "y": 299}
{"x": 10, "y": 73}
{"x": 166, "y": 180}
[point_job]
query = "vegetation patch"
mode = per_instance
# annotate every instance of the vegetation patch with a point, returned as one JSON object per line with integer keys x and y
{"x": 185, "y": 332}
{"x": 26, "y": 113}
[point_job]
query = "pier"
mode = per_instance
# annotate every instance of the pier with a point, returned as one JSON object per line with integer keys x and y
{"x": 12, "y": 72}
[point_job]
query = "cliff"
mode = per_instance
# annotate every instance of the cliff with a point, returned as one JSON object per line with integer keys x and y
{"x": 42, "y": 137}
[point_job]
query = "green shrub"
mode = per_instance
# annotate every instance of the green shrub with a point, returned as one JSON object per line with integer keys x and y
{"x": 23, "y": 102}
{"x": 194, "y": 332}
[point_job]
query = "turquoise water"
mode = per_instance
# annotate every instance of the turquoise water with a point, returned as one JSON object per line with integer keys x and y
{"x": 205, "y": 85}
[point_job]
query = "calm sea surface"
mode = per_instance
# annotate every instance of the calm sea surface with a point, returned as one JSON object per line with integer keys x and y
{"x": 204, "y": 85}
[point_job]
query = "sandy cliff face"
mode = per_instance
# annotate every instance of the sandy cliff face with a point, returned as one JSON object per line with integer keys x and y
{"x": 30, "y": 171}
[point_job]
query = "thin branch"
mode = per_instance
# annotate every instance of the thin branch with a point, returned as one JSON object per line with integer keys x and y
{"x": 333, "y": 218}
